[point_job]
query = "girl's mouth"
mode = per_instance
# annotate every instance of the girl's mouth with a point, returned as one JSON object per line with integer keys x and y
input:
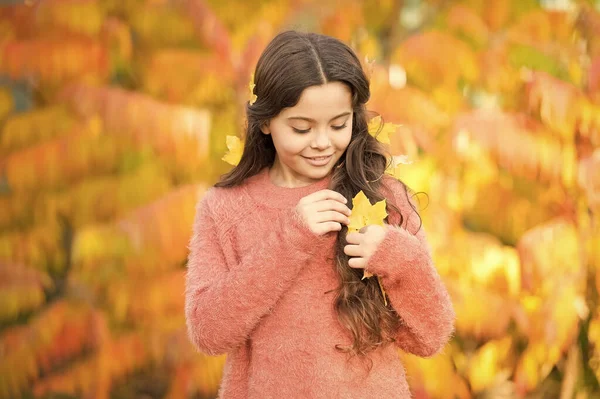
{"x": 319, "y": 161}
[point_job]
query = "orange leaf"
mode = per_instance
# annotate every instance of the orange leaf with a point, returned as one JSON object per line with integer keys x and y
{"x": 425, "y": 57}
{"x": 181, "y": 133}
{"x": 130, "y": 247}
{"x": 53, "y": 60}
{"x": 520, "y": 144}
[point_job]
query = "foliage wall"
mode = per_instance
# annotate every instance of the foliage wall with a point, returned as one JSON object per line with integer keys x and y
{"x": 113, "y": 122}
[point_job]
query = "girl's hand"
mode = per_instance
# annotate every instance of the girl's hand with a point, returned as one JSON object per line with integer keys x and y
{"x": 362, "y": 245}
{"x": 324, "y": 211}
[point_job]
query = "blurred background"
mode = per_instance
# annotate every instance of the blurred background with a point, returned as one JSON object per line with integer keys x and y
{"x": 114, "y": 117}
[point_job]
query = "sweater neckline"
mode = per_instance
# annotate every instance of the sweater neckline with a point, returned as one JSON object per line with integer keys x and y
{"x": 264, "y": 191}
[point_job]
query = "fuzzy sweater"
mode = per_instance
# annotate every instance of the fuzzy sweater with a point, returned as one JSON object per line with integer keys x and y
{"x": 260, "y": 287}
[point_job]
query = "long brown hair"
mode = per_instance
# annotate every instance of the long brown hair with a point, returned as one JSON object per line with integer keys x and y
{"x": 290, "y": 63}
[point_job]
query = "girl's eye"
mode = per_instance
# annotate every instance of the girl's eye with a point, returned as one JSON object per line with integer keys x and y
{"x": 340, "y": 127}
{"x": 301, "y": 130}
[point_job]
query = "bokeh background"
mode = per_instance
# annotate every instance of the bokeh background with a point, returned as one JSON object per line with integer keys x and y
{"x": 113, "y": 122}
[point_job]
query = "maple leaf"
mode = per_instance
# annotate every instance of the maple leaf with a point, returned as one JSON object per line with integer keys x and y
{"x": 251, "y": 87}
{"x": 382, "y": 135}
{"x": 364, "y": 214}
{"x": 236, "y": 148}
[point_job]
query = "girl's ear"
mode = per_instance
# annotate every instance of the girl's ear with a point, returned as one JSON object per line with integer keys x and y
{"x": 265, "y": 128}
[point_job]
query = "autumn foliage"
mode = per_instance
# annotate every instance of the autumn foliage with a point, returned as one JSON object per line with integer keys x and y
{"x": 115, "y": 117}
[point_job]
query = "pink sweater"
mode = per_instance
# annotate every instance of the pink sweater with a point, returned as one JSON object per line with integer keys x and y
{"x": 258, "y": 285}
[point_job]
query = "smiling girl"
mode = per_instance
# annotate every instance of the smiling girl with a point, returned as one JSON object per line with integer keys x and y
{"x": 274, "y": 280}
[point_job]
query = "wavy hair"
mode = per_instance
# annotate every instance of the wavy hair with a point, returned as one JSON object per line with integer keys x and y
{"x": 290, "y": 63}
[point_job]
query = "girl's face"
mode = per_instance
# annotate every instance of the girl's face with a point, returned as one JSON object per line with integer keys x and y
{"x": 311, "y": 136}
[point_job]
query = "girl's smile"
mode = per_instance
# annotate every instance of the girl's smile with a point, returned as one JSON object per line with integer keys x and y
{"x": 319, "y": 160}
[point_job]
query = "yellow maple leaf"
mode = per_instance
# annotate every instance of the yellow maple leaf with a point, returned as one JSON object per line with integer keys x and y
{"x": 236, "y": 148}
{"x": 251, "y": 87}
{"x": 364, "y": 214}
{"x": 382, "y": 135}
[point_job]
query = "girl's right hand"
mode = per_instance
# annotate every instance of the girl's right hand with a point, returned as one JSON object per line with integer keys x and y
{"x": 324, "y": 211}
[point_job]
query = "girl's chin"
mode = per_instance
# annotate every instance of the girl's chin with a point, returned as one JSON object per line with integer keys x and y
{"x": 318, "y": 173}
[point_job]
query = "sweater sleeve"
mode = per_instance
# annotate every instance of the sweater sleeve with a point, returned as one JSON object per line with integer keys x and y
{"x": 404, "y": 263}
{"x": 225, "y": 302}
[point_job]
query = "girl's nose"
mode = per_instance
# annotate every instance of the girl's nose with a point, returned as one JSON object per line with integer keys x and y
{"x": 321, "y": 140}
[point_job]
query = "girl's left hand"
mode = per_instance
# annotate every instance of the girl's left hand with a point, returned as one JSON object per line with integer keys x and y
{"x": 362, "y": 245}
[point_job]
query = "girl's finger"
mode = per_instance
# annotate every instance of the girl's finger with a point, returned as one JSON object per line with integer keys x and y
{"x": 353, "y": 250}
{"x": 331, "y": 216}
{"x": 322, "y": 195}
{"x": 357, "y": 263}
{"x": 354, "y": 238}
{"x": 328, "y": 227}
{"x": 332, "y": 205}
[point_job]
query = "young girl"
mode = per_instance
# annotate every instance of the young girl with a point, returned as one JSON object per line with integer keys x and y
{"x": 274, "y": 280}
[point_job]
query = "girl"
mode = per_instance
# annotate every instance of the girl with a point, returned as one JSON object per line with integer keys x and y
{"x": 274, "y": 280}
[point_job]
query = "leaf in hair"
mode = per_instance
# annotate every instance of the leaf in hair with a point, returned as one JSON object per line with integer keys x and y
{"x": 251, "y": 85}
{"x": 382, "y": 135}
{"x": 236, "y": 148}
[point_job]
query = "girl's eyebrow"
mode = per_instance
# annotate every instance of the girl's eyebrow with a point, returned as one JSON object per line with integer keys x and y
{"x": 312, "y": 120}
